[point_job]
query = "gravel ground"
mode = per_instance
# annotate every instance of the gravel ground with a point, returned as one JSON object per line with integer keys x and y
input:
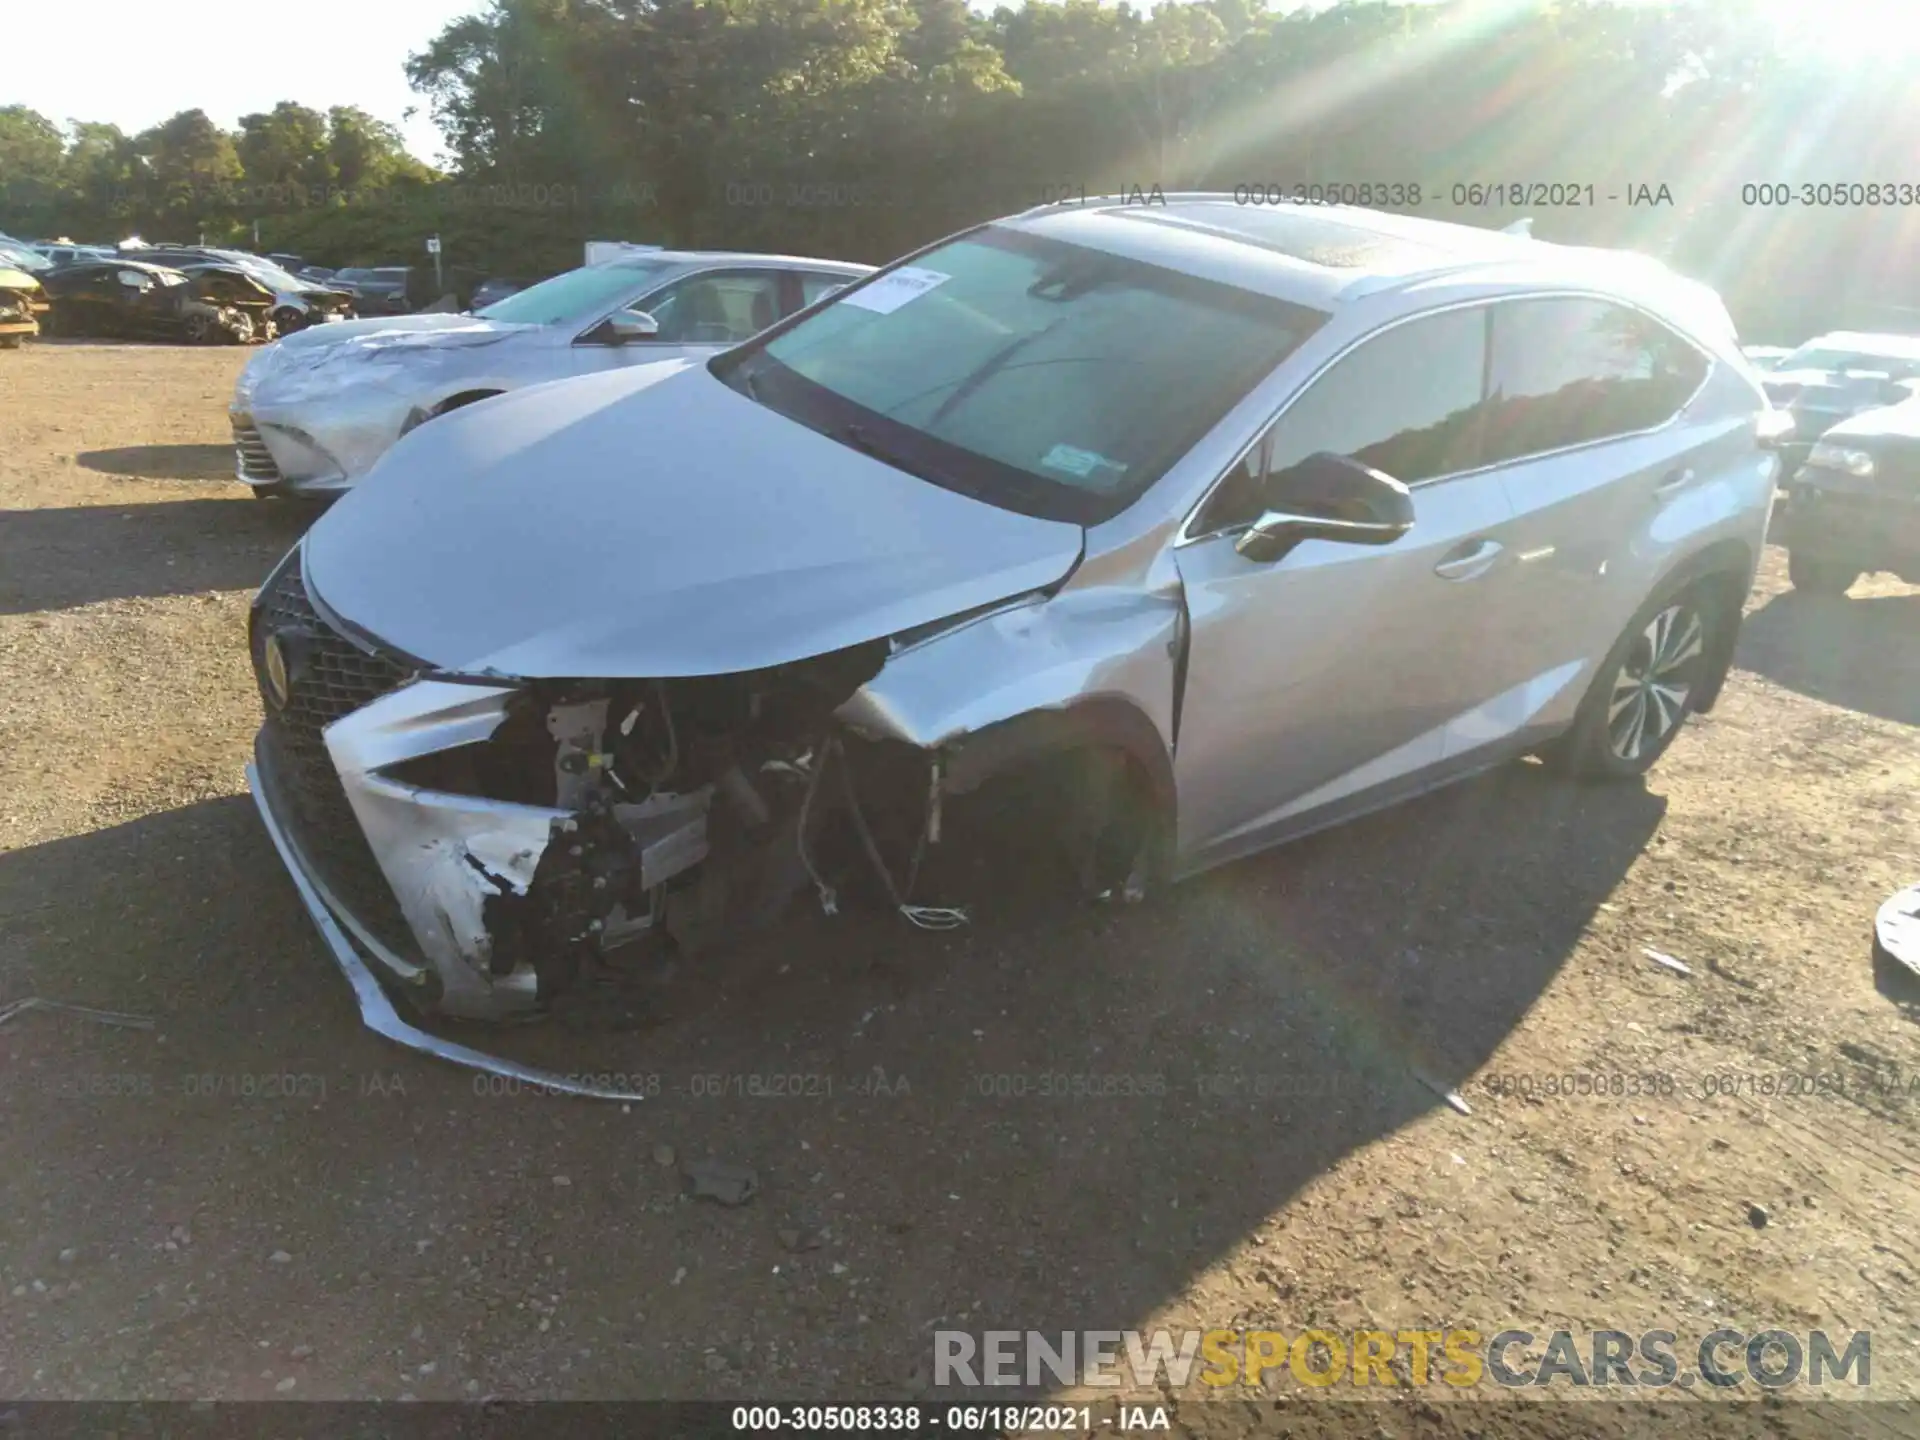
{"x": 172, "y": 1223}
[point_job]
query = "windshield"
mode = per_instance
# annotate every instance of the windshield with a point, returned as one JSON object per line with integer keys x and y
{"x": 1044, "y": 377}
{"x": 21, "y": 259}
{"x": 276, "y": 277}
{"x": 575, "y": 297}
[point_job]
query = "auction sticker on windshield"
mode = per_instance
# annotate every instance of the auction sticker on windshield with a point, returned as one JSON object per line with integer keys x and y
{"x": 1081, "y": 463}
{"x": 890, "y": 292}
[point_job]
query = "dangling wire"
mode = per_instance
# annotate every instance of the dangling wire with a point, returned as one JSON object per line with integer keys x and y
{"x": 927, "y": 917}
{"x": 829, "y": 902}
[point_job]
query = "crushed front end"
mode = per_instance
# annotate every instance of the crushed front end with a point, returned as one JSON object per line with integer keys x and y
{"x": 482, "y": 843}
{"x": 22, "y": 305}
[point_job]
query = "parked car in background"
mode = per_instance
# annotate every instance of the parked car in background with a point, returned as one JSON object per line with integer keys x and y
{"x": 1854, "y": 506}
{"x": 219, "y": 303}
{"x": 380, "y": 290}
{"x": 312, "y": 413}
{"x": 1211, "y": 525}
{"x": 22, "y": 303}
{"x": 496, "y": 288}
{"x": 75, "y": 254}
{"x": 297, "y": 303}
{"x": 1835, "y": 376}
{"x": 1766, "y": 357}
{"x": 16, "y": 256}
{"x": 317, "y": 274}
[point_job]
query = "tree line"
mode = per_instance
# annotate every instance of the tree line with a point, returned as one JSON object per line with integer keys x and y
{"x": 862, "y": 128}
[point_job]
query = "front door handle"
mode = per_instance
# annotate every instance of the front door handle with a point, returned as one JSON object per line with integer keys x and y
{"x": 1674, "y": 480}
{"x": 1470, "y": 560}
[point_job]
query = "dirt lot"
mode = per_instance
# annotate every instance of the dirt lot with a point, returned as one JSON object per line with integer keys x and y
{"x": 387, "y": 1231}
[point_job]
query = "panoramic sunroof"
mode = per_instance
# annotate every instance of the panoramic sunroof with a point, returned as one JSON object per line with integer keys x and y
{"x": 1295, "y": 231}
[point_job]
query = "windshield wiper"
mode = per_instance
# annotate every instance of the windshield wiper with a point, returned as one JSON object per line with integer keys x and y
{"x": 991, "y": 367}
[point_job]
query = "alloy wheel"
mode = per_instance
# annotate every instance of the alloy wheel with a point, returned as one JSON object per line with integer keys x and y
{"x": 1655, "y": 681}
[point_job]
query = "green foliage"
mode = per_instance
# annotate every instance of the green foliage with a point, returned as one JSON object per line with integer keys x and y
{"x": 862, "y": 128}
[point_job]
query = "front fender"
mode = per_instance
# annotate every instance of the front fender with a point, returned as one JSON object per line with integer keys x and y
{"x": 1088, "y": 667}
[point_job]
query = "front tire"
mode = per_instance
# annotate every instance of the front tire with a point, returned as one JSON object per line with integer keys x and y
{"x": 1815, "y": 576}
{"x": 1645, "y": 689}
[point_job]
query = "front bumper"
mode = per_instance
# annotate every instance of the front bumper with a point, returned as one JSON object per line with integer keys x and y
{"x": 318, "y": 446}
{"x": 406, "y": 871}
{"x": 376, "y": 1008}
{"x": 1830, "y": 515}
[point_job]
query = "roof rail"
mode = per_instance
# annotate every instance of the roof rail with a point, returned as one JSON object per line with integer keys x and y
{"x": 1365, "y": 285}
{"x": 1089, "y": 202}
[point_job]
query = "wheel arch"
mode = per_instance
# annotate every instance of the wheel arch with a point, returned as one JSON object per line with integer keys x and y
{"x": 1093, "y": 731}
{"x": 466, "y": 397}
{"x": 1099, "y": 722}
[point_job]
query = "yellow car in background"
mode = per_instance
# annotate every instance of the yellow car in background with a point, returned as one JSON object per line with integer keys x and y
{"x": 22, "y": 303}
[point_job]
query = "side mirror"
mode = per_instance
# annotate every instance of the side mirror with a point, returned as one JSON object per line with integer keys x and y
{"x": 1327, "y": 497}
{"x": 627, "y": 327}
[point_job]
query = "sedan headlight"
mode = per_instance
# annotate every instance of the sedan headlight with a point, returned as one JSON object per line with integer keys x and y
{"x": 1840, "y": 457}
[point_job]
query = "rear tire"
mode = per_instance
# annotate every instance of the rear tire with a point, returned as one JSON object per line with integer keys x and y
{"x": 1645, "y": 688}
{"x": 1813, "y": 576}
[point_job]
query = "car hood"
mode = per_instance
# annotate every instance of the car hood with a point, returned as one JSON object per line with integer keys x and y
{"x": 318, "y": 360}
{"x": 651, "y": 523}
{"x": 1889, "y": 422}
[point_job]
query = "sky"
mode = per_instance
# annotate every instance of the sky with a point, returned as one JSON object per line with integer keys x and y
{"x": 341, "y": 52}
{"x": 353, "y": 52}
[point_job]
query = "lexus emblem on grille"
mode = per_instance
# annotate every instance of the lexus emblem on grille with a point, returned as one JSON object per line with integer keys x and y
{"x": 279, "y": 683}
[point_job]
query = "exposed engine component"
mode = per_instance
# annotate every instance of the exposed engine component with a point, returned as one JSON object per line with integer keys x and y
{"x": 691, "y": 806}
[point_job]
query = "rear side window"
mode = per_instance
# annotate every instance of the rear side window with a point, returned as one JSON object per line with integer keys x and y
{"x": 1569, "y": 372}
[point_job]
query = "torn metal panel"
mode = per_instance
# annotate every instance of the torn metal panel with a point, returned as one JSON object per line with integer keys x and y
{"x": 446, "y": 856}
{"x": 1097, "y": 643}
{"x": 377, "y": 1011}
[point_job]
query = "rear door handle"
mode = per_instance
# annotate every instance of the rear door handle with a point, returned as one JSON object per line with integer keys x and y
{"x": 1674, "y": 480}
{"x": 1470, "y": 560}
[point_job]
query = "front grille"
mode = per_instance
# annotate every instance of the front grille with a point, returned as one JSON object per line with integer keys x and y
{"x": 332, "y": 678}
{"x": 256, "y": 461}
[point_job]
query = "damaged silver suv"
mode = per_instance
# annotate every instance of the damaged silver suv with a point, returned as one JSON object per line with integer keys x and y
{"x": 1212, "y": 524}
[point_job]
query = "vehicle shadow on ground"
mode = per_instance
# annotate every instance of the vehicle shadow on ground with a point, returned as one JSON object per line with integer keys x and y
{"x": 1858, "y": 652}
{"x": 162, "y": 462}
{"x": 1106, "y": 1102}
{"x": 56, "y": 559}
{"x": 1082, "y": 1113}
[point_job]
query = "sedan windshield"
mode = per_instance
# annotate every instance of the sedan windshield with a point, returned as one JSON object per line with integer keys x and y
{"x": 1043, "y": 377}
{"x": 575, "y": 297}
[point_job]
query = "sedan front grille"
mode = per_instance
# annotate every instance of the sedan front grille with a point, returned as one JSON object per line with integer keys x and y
{"x": 256, "y": 461}
{"x": 334, "y": 678}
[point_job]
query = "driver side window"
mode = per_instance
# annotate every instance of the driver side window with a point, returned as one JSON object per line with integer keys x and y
{"x": 717, "y": 308}
{"x": 1407, "y": 402}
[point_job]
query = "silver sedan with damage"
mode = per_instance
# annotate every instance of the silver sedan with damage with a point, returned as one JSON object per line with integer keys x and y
{"x": 1194, "y": 527}
{"x": 311, "y": 413}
